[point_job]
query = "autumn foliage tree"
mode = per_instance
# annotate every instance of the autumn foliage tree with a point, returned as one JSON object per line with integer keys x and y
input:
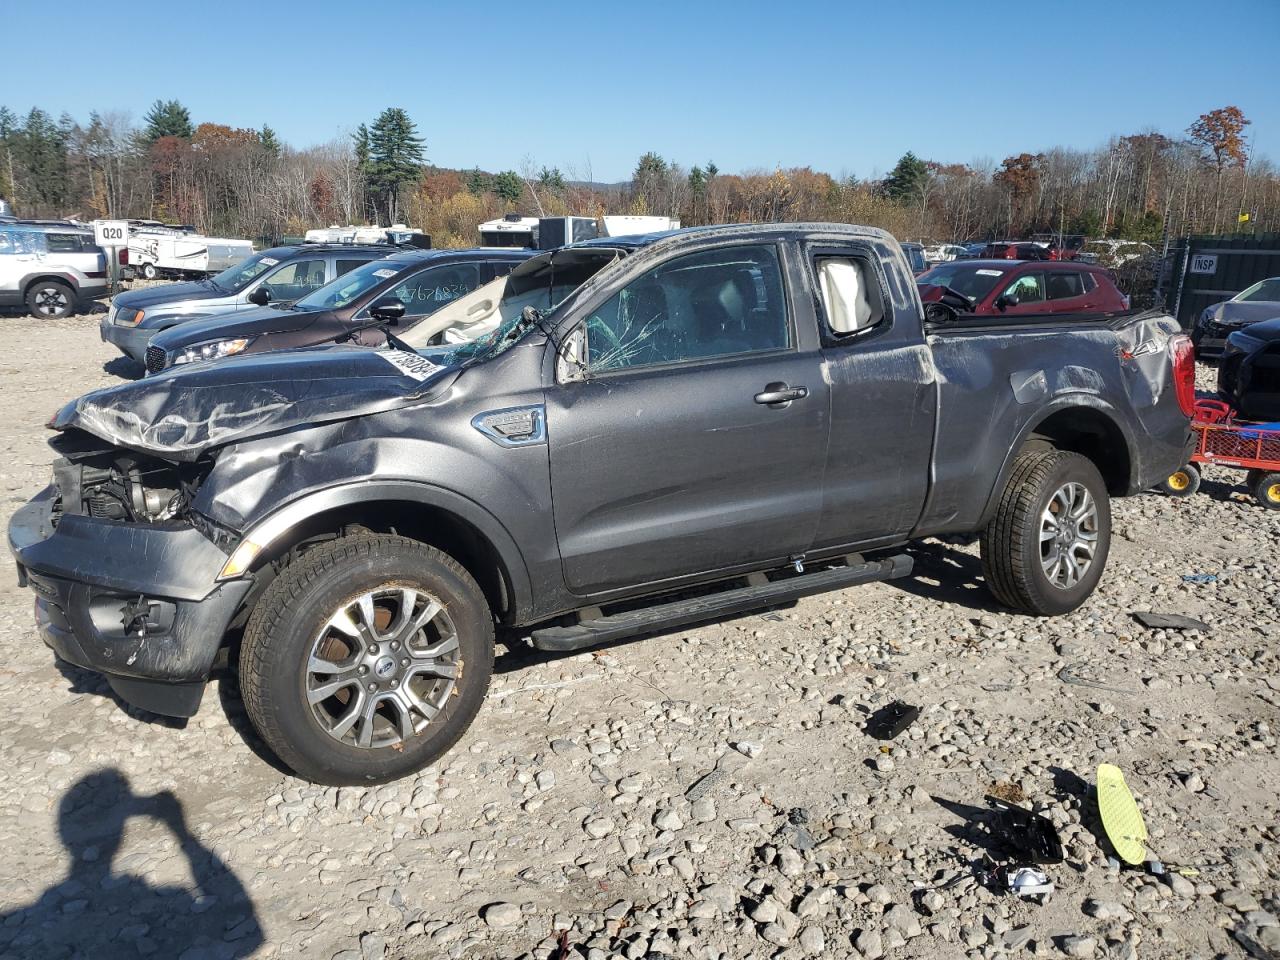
{"x": 1220, "y": 133}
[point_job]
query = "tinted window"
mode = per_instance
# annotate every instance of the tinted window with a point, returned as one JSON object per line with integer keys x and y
{"x": 296, "y": 279}
{"x": 1062, "y": 286}
{"x": 1028, "y": 288}
{"x": 1263, "y": 290}
{"x": 1089, "y": 281}
{"x": 426, "y": 292}
{"x": 713, "y": 304}
{"x": 67, "y": 242}
{"x": 346, "y": 266}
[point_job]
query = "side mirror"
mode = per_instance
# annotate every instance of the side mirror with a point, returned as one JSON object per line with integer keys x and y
{"x": 388, "y": 310}
{"x": 571, "y": 361}
{"x": 261, "y": 296}
{"x": 1004, "y": 301}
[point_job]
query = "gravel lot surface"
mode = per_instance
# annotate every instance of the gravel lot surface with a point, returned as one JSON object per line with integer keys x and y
{"x": 709, "y": 793}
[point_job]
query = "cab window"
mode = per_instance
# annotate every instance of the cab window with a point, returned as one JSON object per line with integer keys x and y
{"x": 719, "y": 303}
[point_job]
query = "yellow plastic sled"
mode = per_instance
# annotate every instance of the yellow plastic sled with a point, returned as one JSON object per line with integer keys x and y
{"x": 1121, "y": 818}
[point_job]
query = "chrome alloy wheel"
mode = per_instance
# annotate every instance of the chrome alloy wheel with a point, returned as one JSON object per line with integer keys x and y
{"x": 383, "y": 667}
{"x": 1068, "y": 535}
{"x": 51, "y": 301}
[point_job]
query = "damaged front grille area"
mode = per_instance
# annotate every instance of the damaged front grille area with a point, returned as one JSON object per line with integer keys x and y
{"x": 114, "y": 484}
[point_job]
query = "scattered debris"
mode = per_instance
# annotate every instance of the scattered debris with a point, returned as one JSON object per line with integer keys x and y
{"x": 1032, "y": 836}
{"x": 1028, "y": 882}
{"x": 1071, "y": 674}
{"x": 889, "y": 721}
{"x": 1199, "y": 578}
{"x": 1169, "y": 621}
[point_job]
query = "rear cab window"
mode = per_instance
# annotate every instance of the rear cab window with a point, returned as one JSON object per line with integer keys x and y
{"x": 850, "y": 298}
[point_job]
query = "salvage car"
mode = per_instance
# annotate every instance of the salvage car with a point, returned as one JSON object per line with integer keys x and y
{"x": 399, "y": 289}
{"x": 1258, "y": 302}
{"x": 654, "y": 431}
{"x": 279, "y": 275}
{"x": 1249, "y": 374}
{"x": 1013, "y": 288}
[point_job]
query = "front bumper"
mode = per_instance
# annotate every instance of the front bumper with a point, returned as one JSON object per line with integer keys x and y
{"x": 132, "y": 341}
{"x": 137, "y": 603}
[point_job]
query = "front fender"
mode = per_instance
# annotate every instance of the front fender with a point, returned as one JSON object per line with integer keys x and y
{"x": 275, "y": 527}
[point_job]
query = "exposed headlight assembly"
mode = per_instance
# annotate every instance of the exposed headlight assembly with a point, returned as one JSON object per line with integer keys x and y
{"x": 212, "y": 350}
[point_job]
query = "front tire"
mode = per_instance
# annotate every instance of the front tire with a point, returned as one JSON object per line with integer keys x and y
{"x": 1045, "y": 549}
{"x": 50, "y": 300}
{"x": 366, "y": 659}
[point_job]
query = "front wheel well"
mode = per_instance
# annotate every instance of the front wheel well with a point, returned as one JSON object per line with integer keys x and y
{"x": 427, "y": 524}
{"x": 1092, "y": 434}
{"x": 45, "y": 277}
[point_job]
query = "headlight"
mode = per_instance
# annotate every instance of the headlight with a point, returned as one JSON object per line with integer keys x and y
{"x": 128, "y": 317}
{"x": 212, "y": 350}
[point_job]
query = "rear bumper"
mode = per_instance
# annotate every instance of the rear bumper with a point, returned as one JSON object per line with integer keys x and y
{"x": 139, "y": 604}
{"x": 132, "y": 341}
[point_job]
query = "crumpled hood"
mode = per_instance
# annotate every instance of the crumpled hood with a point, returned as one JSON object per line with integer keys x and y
{"x": 228, "y": 326}
{"x": 1232, "y": 313}
{"x": 186, "y": 411}
{"x": 167, "y": 292}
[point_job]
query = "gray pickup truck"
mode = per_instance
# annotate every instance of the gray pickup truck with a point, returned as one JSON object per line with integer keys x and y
{"x": 621, "y": 437}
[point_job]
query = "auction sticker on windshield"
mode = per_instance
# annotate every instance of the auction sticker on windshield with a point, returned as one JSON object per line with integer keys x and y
{"x": 269, "y": 261}
{"x": 384, "y": 273}
{"x": 410, "y": 364}
{"x": 990, "y": 273}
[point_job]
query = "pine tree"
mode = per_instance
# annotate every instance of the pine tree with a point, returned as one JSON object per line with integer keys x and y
{"x": 479, "y": 183}
{"x": 167, "y": 118}
{"x": 508, "y": 186}
{"x": 396, "y": 156}
{"x": 907, "y": 179}
{"x": 267, "y": 137}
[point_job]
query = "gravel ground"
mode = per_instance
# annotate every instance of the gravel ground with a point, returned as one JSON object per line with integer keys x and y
{"x": 709, "y": 793}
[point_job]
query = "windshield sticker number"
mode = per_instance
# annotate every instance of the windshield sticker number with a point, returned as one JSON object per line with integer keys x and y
{"x": 384, "y": 273}
{"x": 410, "y": 364}
{"x": 269, "y": 261}
{"x": 990, "y": 273}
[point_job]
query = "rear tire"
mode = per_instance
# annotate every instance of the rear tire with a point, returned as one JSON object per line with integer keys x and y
{"x": 1183, "y": 482}
{"x": 1266, "y": 489}
{"x": 149, "y": 271}
{"x": 1045, "y": 549}
{"x": 50, "y": 300}
{"x": 366, "y": 659}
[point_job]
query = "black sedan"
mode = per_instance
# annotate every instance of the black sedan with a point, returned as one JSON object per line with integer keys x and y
{"x": 1249, "y": 374}
{"x": 404, "y": 287}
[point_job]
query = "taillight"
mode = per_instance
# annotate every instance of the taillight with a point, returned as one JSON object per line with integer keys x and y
{"x": 122, "y": 257}
{"x": 1184, "y": 371}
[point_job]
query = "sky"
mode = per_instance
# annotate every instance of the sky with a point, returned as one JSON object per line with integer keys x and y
{"x": 843, "y": 87}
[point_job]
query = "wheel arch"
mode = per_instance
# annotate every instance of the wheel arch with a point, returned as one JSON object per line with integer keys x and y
{"x": 1080, "y": 423}
{"x": 445, "y": 519}
{"x": 31, "y": 279}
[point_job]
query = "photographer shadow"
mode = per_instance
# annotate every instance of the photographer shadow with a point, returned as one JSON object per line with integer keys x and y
{"x": 102, "y": 910}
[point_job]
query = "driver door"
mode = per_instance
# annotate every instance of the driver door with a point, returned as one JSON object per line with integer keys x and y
{"x": 679, "y": 453}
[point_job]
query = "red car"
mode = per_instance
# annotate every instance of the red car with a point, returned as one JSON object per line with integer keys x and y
{"x": 1013, "y": 287}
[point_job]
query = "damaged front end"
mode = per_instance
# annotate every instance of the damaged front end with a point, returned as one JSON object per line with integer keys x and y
{"x": 125, "y": 581}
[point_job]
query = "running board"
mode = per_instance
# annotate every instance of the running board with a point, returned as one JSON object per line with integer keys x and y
{"x": 679, "y": 613}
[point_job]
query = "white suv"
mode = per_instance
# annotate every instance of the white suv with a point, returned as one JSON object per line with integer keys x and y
{"x": 52, "y": 268}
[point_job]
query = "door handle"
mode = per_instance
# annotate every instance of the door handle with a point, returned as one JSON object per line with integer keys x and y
{"x": 780, "y": 394}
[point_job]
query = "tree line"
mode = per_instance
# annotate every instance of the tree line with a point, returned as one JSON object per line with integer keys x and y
{"x": 244, "y": 182}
